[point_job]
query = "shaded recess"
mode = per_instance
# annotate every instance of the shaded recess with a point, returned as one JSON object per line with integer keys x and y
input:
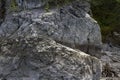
{"x": 107, "y": 13}
{"x": 2, "y": 10}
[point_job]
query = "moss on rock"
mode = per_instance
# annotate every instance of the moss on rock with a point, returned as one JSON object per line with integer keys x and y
{"x": 13, "y": 5}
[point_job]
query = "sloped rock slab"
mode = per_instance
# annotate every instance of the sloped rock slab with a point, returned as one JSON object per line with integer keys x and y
{"x": 38, "y": 58}
{"x": 70, "y": 25}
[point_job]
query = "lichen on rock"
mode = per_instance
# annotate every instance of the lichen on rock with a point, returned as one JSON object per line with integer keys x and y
{"x": 25, "y": 55}
{"x": 70, "y": 25}
{"x": 40, "y": 58}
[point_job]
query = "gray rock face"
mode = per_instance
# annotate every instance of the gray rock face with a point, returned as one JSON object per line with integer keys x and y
{"x": 40, "y": 58}
{"x": 111, "y": 57}
{"x": 70, "y": 25}
{"x": 29, "y": 4}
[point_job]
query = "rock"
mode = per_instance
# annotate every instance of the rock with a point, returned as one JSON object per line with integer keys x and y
{"x": 70, "y": 25}
{"x": 110, "y": 78}
{"x": 41, "y": 58}
{"x": 24, "y": 4}
{"x": 29, "y": 4}
{"x": 112, "y": 58}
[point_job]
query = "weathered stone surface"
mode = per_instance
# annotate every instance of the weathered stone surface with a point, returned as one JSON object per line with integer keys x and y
{"x": 111, "y": 62}
{"x": 70, "y": 25}
{"x": 40, "y": 58}
{"x": 29, "y": 4}
{"x": 110, "y": 78}
{"x": 25, "y": 4}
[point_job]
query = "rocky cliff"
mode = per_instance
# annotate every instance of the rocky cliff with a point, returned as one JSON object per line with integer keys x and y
{"x": 25, "y": 56}
{"x": 70, "y": 24}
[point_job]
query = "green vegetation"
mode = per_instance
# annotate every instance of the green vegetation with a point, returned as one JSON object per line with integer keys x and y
{"x": 118, "y": 1}
{"x": 13, "y": 5}
{"x": 59, "y": 2}
{"x": 47, "y": 6}
{"x": 56, "y": 3}
{"x": 107, "y": 13}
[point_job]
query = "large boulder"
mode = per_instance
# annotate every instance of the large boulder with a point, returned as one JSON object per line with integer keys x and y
{"x": 70, "y": 24}
{"x": 40, "y": 58}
